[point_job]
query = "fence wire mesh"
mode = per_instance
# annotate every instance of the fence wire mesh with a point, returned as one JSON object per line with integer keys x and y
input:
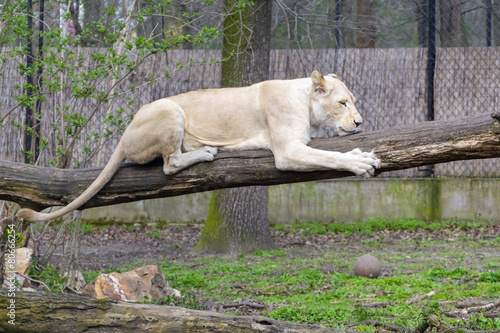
{"x": 382, "y": 50}
{"x": 390, "y": 86}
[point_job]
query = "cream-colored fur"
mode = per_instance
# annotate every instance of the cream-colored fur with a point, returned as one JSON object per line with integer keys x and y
{"x": 280, "y": 115}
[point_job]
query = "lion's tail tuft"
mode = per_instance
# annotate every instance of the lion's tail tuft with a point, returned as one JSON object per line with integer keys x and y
{"x": 34, "y": 216}
{"x": 27, "y": 214}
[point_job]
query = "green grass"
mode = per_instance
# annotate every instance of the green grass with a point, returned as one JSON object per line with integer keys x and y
{"x": 369, "y": 226}
{"x": 300, "y": 290}
{"x": 85, "y": 228}
{"x": 311, "y": 286}
{"x": 154, "y": 233}
{"x": 162, "y": 224}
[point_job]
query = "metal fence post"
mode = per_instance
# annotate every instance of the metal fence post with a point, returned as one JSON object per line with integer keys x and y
{"x": 431, "y": 65}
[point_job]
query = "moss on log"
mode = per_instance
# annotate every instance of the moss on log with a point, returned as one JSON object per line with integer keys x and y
{"x": 45, "y": 312}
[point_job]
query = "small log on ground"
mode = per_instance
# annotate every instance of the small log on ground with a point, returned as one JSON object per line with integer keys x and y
{"x": 472, "y": 137}
{"x": 44, "y": 312}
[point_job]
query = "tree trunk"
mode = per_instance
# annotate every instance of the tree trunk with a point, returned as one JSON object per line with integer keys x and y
{"x": 247, "y": 43}
{"x": 421, "y": 9}
{"x": 365, "y": 17}
{"x": 465, "y": 138}
{"x": 451, "y": 23}
{"x": 44, "y": 312}
{"x": 237, "y": 220}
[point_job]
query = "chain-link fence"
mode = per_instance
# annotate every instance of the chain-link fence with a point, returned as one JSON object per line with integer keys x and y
{"x": 390, "y": 85}
{"x": 405, "y": 61}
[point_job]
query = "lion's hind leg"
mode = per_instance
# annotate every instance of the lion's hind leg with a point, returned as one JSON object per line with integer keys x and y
{"x": 177, "y": 161}
{"x": 158, "y": 130}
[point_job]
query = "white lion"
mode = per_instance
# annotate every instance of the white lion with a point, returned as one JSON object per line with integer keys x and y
{"x": 279, "y": 115}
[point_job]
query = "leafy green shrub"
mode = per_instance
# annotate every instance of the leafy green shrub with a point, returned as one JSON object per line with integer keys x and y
{"x": 48, "y": 275}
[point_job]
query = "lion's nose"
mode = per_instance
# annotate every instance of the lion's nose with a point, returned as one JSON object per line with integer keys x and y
{"x": 358, "y": 122}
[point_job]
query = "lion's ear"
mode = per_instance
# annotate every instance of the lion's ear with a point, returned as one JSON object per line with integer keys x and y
{"x": 333, "y": 75}
{"x": 319, "y": 82}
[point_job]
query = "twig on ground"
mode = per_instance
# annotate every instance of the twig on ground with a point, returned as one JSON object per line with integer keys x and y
{"x": 244, "y": 303}
{"x": 377, "y": 305}
{"x": 375, "y": 323}
{"x": 492, "y": 315}
{"x": 36, "y": 281}
{"x": 418, "y": 298}
{"x": 476, "y": 303}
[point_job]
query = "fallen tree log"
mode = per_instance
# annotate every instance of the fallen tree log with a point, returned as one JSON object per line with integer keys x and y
{"x": 45, "y": 312}
{"x": 471, "y": 137}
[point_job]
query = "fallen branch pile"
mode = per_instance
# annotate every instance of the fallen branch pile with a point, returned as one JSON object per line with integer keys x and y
{"x": 489, "y": 309}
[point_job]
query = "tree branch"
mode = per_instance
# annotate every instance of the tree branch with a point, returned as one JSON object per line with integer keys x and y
{"x": 471, "y": 137}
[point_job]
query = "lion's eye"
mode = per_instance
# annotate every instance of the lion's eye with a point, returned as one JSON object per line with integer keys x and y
{"x": 343, "y": 103}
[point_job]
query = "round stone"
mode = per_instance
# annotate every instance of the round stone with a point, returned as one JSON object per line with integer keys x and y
{"x": 367, "y": 266}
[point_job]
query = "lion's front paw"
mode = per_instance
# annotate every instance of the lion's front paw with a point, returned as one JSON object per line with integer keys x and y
{"x": 364, "y": 163}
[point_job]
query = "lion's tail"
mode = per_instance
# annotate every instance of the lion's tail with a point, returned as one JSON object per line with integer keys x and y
{"x": 107, "y": 173}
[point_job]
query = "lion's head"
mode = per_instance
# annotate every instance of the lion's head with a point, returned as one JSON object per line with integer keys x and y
{"x": 333, "y": 105}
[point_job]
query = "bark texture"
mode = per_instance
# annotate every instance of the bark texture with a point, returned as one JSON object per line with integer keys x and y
{"x": 451, "y": 23}
{"x": 366, "y": 32}
{"x": 44, "y": 312}
{"x": 237, "y": 221}
{"x": 465, "y": 138}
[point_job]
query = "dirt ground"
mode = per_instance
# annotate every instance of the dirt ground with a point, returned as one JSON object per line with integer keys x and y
{"x": 115, "y": 246}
